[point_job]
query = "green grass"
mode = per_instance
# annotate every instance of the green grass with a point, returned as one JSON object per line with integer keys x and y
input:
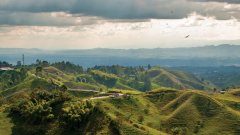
{"x": 125, "y": 91}
{"x": 176, "y": 79}
{"x": 169, "y": 110}
{"x": 83, "y": 94}
{"x": 164, "y": 109}
{"x": 80, "y": 85}
{"x": 5, "y": 124}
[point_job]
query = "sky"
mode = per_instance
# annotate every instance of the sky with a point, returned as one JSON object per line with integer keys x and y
{"x": 83, "y": 24}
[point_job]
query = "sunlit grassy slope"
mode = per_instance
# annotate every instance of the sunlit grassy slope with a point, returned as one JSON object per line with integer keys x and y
{"x": 51, "y": 78}
{"x": 165, "y": 111}
{"x": 5, "y": 124}
{"x": 176, "y": 79}
{"x": 182, "y": 112}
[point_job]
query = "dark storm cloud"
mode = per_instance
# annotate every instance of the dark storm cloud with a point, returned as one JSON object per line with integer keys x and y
{"x": 225, "y": 1}
{"x": 45, "y": 19}
{"x": 109, "y": 9}
{"x": 40, "y": 19}
{"x": 113, "y": 9}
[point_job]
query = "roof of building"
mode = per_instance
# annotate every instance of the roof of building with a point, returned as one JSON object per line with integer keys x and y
{"x": 6, "y": 68}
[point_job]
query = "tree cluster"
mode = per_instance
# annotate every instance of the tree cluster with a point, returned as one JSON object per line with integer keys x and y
{"x": 5, "y": 64}
{"x": 44, "y": 107}
{"x": 11, "y": 78}
{"x": 76, "y": 113}
{"x": 119, "y": 70}
{"x": 105, "y": 79}
{"x": 68, "y": 67}
{"x": 39, "y": 108}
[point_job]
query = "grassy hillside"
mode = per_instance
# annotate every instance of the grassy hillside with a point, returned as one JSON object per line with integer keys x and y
{"x": 161, "y": 111}
{"x": 114, "y": 100}
{"x": 176, "y": 79}
{"x": 101, "y": 78}
{"x": 223, "y": 76}
{"x": 177, "y": 112}
{"x": 5, "y": 124}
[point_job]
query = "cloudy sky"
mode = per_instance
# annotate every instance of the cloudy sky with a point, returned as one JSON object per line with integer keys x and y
{"x": 59, "y": 24}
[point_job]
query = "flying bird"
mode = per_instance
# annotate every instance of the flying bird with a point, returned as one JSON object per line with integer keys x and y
{"x": 187, "y": 36}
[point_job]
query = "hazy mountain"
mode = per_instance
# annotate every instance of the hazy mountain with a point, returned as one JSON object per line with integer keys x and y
{"x": 194, "y": 56}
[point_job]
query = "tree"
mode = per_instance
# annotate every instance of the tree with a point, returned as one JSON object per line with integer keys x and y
{"x": 64, "y": 88}
{"x": 19, "y": 63}
{"x": 214, "y": 89}
{"x": 45, "y": 63}
{"x": 5, "y": 64}
{"x": 147, "y": 84}
{"x": 76, "y": 113}
{"x": 149, "y": 66}
{"x": 38, "y": 70}
{"x": 38, "y": 107}
{"x": 140, "y": 119}
{"x": 68, "y": 67}
{"x": 38, "y": 62}
{"x": 146, "y": 111}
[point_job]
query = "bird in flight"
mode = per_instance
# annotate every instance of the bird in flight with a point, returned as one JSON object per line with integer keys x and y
{"x": 187, "y": 36}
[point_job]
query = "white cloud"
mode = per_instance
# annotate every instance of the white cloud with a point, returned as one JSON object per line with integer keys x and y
{"x": 117, "y": 23}
{"x": 154, "y": 33}
{"x": 117, "y": 9}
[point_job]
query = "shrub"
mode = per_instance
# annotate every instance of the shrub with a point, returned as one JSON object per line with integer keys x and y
{"x": 114, "y": 126}
{"x": 135, "y": 125}
{"x": 75, "y": 113}
{"x": 142, "y": 128}
{"x": 176, "y": 130}
{"x": 33, "y": 112}
{"x": 39, "y": 107}
{"x": 146, "y": 111}
{"x": 150, "y": 124}
{"x": 196, "y": 129}
{"x": 140, "y": 119}
{"x": 104, "y": 78}
{"x": 64, "y": 88}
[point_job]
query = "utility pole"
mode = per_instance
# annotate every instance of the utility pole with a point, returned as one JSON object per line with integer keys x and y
{"x": 23, "y": 59}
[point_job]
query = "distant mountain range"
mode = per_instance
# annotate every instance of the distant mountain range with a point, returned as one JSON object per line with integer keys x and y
{"x": 220, "y": 55}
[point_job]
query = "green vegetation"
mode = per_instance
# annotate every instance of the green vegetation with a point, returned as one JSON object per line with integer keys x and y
{"x": 5, "y": 64}
{"x": 56, "y": 112}
{"x": 11, "y": 78}
{"x": 68, "y": 67}
{"x": 5, "y": 124}
{"x": 62, "y": 99}
{"x": 103, "y": 78}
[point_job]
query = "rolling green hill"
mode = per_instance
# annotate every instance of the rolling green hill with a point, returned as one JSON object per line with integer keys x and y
{"x": 50, "y": 77}
{"x": 114, "y": 100}
{"x": 180, "y": 112}
{"x": 176, "y": 79}
{"x": 161, "y": 111}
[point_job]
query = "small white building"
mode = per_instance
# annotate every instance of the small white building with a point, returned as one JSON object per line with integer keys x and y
{"x": 222, "y": 92}
{"x": 6, "y": 68}
{"x": 115, "y": 95}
